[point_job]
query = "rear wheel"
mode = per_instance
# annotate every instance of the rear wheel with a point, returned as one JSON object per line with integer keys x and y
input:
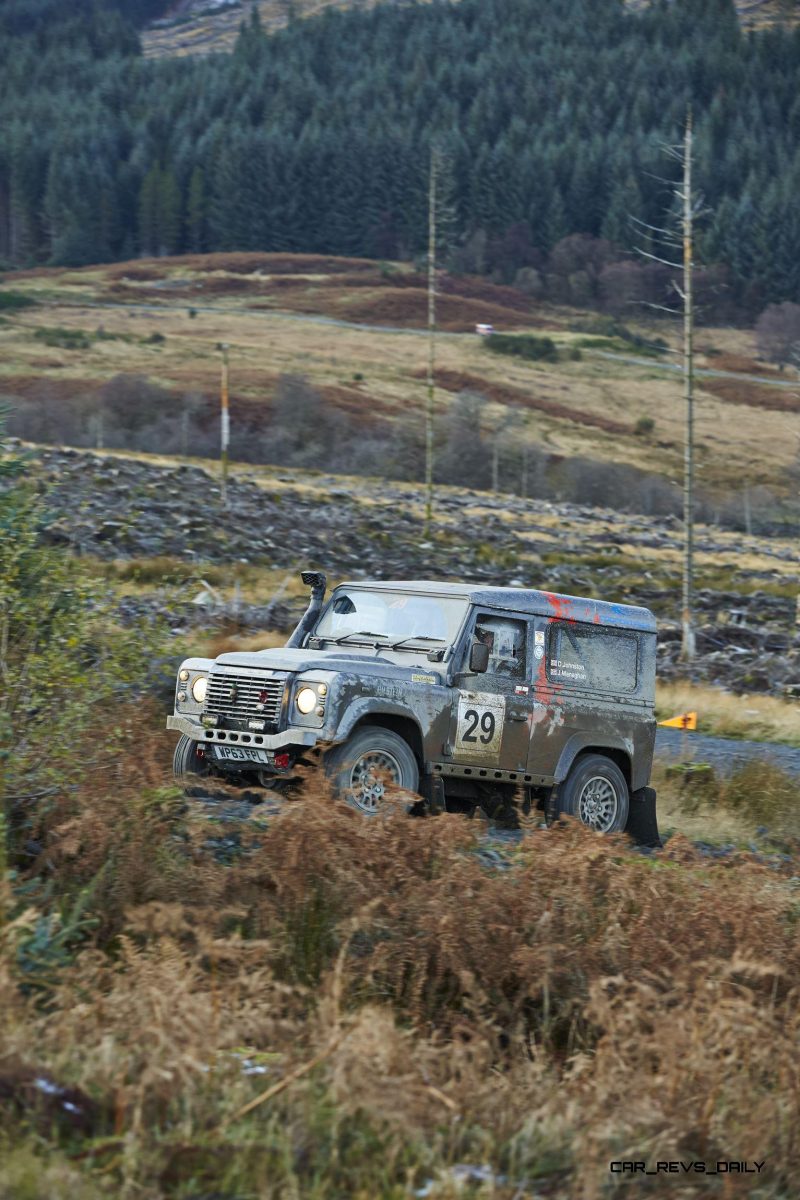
{"x": 373, "y": 761}
{"x": 596, "y": 793}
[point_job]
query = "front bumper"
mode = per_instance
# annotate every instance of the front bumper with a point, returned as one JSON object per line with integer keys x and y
{"x": 264, "y": 741}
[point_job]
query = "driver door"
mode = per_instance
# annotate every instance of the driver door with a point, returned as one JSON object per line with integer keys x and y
{"x": 490, "y": 724}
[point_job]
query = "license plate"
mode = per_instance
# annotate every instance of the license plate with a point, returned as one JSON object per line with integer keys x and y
{"x": 239, "y": 754}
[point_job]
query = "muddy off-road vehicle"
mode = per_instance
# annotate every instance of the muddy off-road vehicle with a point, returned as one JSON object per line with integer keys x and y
{"x": 470, "y": 697}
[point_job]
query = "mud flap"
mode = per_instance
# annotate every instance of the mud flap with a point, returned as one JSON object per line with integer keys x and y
{"x": 432, "y": 790}
{"x": 642, "y": 823}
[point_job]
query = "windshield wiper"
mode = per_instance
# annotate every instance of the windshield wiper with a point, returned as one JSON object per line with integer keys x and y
{"x": 361, "y": 633}
{"x": 416, "y": 637}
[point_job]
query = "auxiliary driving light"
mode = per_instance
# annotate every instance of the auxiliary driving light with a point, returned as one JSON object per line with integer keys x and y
{"x": 199, "y": 689}
{"x": 184, "y": 675}
{"x": 306, "y": 700}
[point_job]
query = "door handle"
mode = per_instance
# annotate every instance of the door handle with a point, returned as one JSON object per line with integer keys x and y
{"x": 516, "y": 715}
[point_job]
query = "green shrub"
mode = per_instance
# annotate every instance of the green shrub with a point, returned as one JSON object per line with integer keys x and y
{"x": 607, "y": 333}
{"x": 523, "y": 345}
{"x": 64, "y": 339}
{"x": 644, "y": 426}
{"x": 766, "y": 795}
{"x": 14, "y": 301}
{"x": 63, "y": 657}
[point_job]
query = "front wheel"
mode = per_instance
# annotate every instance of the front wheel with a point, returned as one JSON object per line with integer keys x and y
{"x": 188, "y": 767}
{"x": 596, "y": 793}
{"x": 373, "y": 760}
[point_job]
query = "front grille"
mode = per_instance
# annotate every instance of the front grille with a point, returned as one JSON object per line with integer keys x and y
{"x": 242, "y": 695}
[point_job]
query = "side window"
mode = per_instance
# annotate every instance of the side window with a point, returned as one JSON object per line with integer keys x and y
{"x": 592, "y": 658}
{"x": 505, "y": 638}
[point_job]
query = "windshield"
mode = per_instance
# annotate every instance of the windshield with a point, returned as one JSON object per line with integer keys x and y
{"x": 395, "y": 616}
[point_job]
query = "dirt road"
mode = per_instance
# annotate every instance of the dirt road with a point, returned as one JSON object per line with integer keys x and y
{"x": 724, "y": 754}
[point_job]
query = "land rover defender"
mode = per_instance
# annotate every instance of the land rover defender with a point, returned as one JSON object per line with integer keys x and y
{"x": 469, "y": 696}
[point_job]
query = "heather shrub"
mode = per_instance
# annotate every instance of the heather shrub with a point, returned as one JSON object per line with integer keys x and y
{"x": 354, "y": 1006}
{"x": 764, "y": 793}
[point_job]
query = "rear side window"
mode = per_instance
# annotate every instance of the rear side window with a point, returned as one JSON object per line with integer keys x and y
{"x": 592, "y": 658}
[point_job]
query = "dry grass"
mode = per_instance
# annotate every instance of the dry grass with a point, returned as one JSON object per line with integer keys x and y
{"x": 745, "y": 365}
{"x": 753, "y": 395}
{"x": 759, "y": 718}
{"x": 460, "y": 381}
{"x": 338, "y": 1006}
{"x": 567, "y": 404}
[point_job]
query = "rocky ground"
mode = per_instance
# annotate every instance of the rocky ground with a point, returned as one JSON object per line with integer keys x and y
{"x": 115, "y": 508}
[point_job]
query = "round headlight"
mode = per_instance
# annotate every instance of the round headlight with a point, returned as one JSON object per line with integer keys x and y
{"x": 199, "y": 688}
{"x": 306, "y": 700}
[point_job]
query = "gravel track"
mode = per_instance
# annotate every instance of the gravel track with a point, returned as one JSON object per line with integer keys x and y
{"x": 724, "y": 754}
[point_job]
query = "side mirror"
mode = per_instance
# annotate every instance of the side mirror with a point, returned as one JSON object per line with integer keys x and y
{"x": 479, "y": 658}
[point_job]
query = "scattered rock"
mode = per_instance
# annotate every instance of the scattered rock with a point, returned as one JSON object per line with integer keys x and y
{"x": 113, "y": 507}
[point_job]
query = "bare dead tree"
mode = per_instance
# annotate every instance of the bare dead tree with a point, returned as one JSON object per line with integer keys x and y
{"x": 688, "y": 640}
{"x": 690, "y": 207}
{"x": 432, "y": 184}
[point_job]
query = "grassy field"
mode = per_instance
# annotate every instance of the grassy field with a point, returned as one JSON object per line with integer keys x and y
{"x": 275, "y": 312}
{"x": 757, "y": 718}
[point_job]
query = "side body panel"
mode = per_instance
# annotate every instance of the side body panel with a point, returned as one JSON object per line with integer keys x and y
{"x": 575, "y": 711}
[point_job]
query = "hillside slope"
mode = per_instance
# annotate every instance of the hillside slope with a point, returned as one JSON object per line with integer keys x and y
{"x": 210, "y": 26}
{"x": 128, "y": 355}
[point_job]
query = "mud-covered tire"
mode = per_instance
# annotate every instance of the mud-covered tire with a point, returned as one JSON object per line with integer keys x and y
{"x": 372, "y": 760}
{"x": 595, "y": 791}
{"x": 188, "y": 768}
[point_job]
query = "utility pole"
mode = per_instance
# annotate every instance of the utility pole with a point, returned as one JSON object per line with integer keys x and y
{"x": 431, "y": 341}
{"x": 225, "y": 420}
{"x": 688, "y": 640}
{"x": 748, "y": 512}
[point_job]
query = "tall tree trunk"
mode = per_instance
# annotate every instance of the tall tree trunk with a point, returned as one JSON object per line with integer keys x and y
{"x": 688, "y": 641}
{"x": 431, "y": 342}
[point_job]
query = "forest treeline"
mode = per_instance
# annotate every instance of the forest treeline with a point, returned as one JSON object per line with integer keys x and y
{"x": 552, "y": 119}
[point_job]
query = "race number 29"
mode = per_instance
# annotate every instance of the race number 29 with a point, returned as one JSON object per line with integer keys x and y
{"x": 480, "y": 725}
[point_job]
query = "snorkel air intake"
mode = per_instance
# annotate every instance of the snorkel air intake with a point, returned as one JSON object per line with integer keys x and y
{"x": 317, "y": 582}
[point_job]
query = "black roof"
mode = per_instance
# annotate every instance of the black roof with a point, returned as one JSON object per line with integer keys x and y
{"x": 528, "y": 601}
